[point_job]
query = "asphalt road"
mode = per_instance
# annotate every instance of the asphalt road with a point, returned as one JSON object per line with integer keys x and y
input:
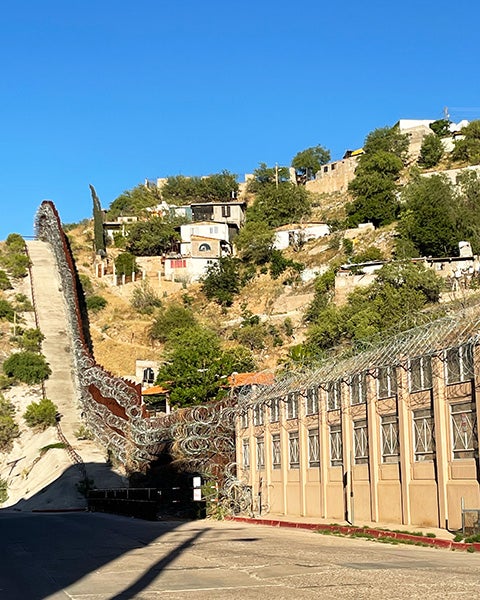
{"x": 81, "y": 556}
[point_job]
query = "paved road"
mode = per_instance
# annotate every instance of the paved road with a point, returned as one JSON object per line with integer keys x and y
{"x": 81, "y": 556}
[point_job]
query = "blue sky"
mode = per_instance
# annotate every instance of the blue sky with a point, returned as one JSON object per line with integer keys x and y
{"x": 110, "y": 92}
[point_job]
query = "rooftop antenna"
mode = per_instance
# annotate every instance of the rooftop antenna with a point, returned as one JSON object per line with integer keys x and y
{"x": 446, "y": 114}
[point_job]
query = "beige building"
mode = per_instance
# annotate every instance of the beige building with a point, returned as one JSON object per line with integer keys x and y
{"x": 388, "y": 436}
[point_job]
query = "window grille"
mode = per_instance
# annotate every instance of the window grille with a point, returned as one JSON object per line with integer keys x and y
{"x": 245, "y": 418}
{"x": 390, "y": 443}
{"x": 358, "y": 388}
{"x": 336, "y": 446}
{"x": 311, "y": 402}
{"x": 334, "y": 395}
{"x": 258, "y": 414}
{"x": 360, "y": 442}
{"x": 274, "y": 410}
{"x": 464, "y": 430}
{"x": 293, "y": 450}
{"x": 246, "y": 454}
{"x": 386, "y": 382}
{"x": 313, "y": 448}
{"x": 292, "y": 406}
{"x": 420, "y": 373}
{"x": 459, "y": 364}
{"x": 260, "y": 453}
{"x": 276, "y": 454}
{"x": 423, "y": 434}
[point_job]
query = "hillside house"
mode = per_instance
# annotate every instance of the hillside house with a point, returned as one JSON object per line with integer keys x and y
{"x": 231, "y": 213}
{"x": 297, "y": 235}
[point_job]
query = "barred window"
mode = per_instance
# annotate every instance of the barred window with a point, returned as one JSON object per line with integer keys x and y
{"x": 292, "y": 406}
{"x": 293, "y": 450}
{"x": 276, "y": 454}
{"x": 258, "y": 414}
{"x": 459, "y": 364}
{"x": 260, "y": 453}
{"x": 336, "y": 446}
{"x": 390, "y": 443}
{"x": 274, "y": 410}
{"x": 360, "y": 442}
{"x": 311, "y": 401}
{"x": 464, "y": 430}
{"x": 334, "y": 395}
{"x": 246, "y": 454}
{"x": 245, "y": 418}
{"x": 313, "y": 448}
{"x": 386, "y": 382}
{"x": 358, "y": 388}
{"x": 423, "y": 434}
{"x": 420, "y": 373}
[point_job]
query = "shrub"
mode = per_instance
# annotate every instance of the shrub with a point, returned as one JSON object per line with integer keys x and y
{"x": 22, "y": 303}
{"x": 27, "y": 367}
{"x": 30, "y": 340}
{"x": 96, "y": 303}
{"x": 86, "y": 284}
{"x": 6, "y": 310}
{"x": 4, "y": 281}
{"x": 144, "y": 299}
{"x": 16, "y": 264}
{"x": 8, "y": 426}
{"x": 125, "y": 264}
{"x": 3, "y": 490}
{"x": 41, "y": 414}
{"x": 171, "y": 321}
{"x": 15, "y": 243}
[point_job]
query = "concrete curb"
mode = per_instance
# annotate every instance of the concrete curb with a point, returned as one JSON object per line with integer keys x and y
{"x": 376, "y": 533}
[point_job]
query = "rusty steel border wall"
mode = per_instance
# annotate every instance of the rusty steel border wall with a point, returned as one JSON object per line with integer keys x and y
{"x": 200, "y": 439}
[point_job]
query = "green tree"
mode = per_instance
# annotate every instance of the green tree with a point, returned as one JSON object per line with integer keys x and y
{"x": 7, "y": 311}
{"x": 28, "y": 367}
{"x": 4, "y": 281}
{"x": 98, "y": 232}
{"x": 374, "y": 201}
{"x": 196, "y": 367}
{"x": 125, "y": 264}
{"x": 307, "y": 162}
{"x": 276, "y": 206}
{"x": 185, "y": 190}
{"x": 41, "y": 415}
{"x": 441, "y": 127}
{"x": 431, "y": 151}
{"x": 255, "y": 242}
{"x": 15, "y": 243}
{"x": 31, "y": 340}
{"x": 152, "y": 238}
{"x": 222, "y": 280}
{"x": 264, "y": 175}
{"x": 134, "y": 202}
{"x": 468, "y": 148}
{"x": 429, "y": 218}
{"x": 170, "y": 321}
{"x": 387, "y": 139}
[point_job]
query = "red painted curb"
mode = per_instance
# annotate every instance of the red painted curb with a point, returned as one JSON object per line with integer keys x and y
{"x": 348, "y": 530}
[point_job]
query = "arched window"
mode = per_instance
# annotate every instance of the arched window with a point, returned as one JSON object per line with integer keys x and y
{"x": 204, "y": 247}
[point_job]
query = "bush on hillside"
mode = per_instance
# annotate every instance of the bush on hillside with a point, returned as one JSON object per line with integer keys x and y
{"x": 96, "y": 303}
{"x": 8, "y": 427}
{"x": 30, "y": 340}
{"x": 27, "y": 367}
{"x": 6, "y": 310}
{"x": 144, "y": 299}
{"x": 171, "y": 321}
{"x": 4, "y": 281}
{"x": 41, "y": 414}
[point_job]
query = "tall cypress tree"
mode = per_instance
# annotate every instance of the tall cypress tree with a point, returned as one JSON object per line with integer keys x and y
{"x": 99, "y": 236}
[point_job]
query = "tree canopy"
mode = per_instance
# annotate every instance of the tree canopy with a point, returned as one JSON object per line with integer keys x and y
{"x": 280, "y": 205}
{"x": 214, "y": 188}
{"x": 153, "y": 237}
{"x": 468, "y": 148}
{"x": 134, "y": 201}
{"x": 431, "y": 151}
{"x": 264, "y": 175}
{"x": 255, "y": 242}
{"x": 307, "y": 162}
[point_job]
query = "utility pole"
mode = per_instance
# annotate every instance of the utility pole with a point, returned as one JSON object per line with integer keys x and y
{"x": 276, "y": 175}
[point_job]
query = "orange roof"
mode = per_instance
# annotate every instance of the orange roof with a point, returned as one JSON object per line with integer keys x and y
{"x": 155, "y": 391}
{"x": 259, "y": 378}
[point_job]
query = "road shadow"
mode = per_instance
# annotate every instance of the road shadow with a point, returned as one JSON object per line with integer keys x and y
{"x": 44, "y": 551}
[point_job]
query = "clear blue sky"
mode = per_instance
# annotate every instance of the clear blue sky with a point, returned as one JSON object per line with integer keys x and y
{"x": 110, "y": 92}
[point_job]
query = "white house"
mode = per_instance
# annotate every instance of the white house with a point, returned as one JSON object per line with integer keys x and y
{"x": 296, "y": 235}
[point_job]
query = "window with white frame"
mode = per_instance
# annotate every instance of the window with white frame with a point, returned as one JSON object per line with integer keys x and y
{"x": 464, "y": 430}
{"x": 258, "y": 414}
{"x": 292, "y": 406}
{"x": 311, "y": 401}
{"x": 334, "y": 395}
{"x": 276, "y": 454}
{"x": 459, "y": 364}
{"x": 390, "y": 444}
{"x": 336, "y": 446}
{"x": 260, "y": 453}
{"x": 313, "y": 448}
{"x": 358, "y": 388}
{"x": 423, "y": 434}
{"x": 293, "y": 450}
{"x": 244, "y": 418}
{"x": 360, "y": 442}
{"x": 420, "y": 370}
{"x": 386, "y": 382}
{"x": 274, "y": 410}
{"x": 246, "y": 454}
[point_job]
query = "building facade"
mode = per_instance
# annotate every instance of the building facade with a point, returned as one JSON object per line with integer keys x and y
{"x": 389, "y": 436}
